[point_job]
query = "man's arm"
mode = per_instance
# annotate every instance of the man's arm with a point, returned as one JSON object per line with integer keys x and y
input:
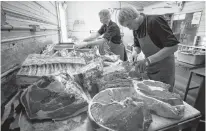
{"x": 90, "y": 40}
{"x": 92, "y": 37}
{"x": 97, "y": 42}
{"x": 111, "y": 32}
{"x": 163, "y": 53}
{"x": 163, "y": 32}
{"x": 96, "y": 34}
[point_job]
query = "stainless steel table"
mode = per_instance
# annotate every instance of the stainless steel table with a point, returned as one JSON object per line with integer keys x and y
{"x": 81, "y": 123}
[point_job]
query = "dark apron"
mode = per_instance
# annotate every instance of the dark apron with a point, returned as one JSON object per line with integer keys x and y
{"x": 163, "y": 70}
{"x": 118, "y": 49}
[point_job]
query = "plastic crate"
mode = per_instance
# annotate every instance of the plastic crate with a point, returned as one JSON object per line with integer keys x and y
{"x": 190, "y": 58}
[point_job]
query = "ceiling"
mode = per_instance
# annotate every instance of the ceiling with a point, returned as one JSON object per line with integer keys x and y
{"x": 141, "y": 3}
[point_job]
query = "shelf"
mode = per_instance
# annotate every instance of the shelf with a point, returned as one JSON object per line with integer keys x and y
{"x": 199, "y": 47}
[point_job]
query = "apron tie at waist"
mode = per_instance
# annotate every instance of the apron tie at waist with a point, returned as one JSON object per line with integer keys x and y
{"x": 117, "y": 49}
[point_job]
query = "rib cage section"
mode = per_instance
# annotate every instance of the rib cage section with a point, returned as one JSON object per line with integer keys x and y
{"x": 48, "y": 69}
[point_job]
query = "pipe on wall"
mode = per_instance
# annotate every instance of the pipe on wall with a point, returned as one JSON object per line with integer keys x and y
{"x": 27, "y": 37}
{"x": 9, "y": 71}
{"x": 10, "y": 27}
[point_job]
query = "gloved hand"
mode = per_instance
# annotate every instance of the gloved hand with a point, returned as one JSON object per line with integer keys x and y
{"x": 140, "y": 66}
{"x": 79, "y": 45}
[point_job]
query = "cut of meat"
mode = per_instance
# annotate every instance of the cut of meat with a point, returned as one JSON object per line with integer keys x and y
{"x": 110, "y": 58}
{"x": 114, "y": 80}
{"x": 156, "y": 95}
{"x": 37, "y": 71}
{"x": 89, "y": 74}
{"x": 116, "y": 83}
{"x": 154, "y": 84}
{"x": 92, "y": 78}
{"x": 115, "y": 109}
{"x": 87, "y": 54}
{"x": 54, "y": 98}
{"x": 127, "y": 117}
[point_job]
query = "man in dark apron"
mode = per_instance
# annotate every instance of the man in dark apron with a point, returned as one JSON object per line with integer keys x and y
{"x": 111, "y": 37}
{"x": 154, "y": 37}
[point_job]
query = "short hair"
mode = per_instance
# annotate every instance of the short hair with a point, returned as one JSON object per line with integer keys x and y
{"x": 127, "y": 13}
{"x": 105, "y": 13}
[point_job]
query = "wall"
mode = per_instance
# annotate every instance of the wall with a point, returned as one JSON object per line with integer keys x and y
{"x": 83, "y": 17}
{"x": 190, "y": 6}
{"x": 17, "y": 44}
{"x": 19, "y": 41}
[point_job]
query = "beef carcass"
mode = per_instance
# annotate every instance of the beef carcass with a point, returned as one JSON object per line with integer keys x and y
{"x": 37, "y": 65}
{"x": 41, "y": 59}
{"x": 55, "y": 98}
{"x": 156, "y": 95}
{"x": 115, "y": 109}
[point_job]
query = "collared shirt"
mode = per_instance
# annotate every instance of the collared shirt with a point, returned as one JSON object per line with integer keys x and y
{"x": 111, "y": 32}
{"x": 158, "y": 30}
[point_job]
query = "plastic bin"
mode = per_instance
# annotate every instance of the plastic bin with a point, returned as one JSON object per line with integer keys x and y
{"x": 190, "y": 58}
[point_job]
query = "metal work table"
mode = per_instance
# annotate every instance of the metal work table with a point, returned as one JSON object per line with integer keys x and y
{"x": 81, "y": 123}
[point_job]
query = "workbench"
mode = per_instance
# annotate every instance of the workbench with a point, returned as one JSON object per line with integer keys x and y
{"x": 81, "y": 123}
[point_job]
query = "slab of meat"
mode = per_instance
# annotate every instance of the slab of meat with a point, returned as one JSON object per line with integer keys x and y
{"x": 110, "y": 58}
{"x": 116, "y": 79}
{"x": 92, "y": 78}
{"x": 87, "y": 54}
{"x": 55, "y": 98}
{"x": 115, "y": 109}
{"x": 89, "y": 74}
{"x": 156, "y": 95}
{"x": 112, "y": 77}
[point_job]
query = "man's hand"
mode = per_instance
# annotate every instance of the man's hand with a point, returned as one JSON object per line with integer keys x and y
{"x": 80, "y": 45}
{"x": 134, "y": 57}
{"x": 141, "y": 66}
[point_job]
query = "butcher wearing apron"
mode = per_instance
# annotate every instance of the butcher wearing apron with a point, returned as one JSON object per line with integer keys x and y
{"x": 114, "y": 44}
{"x": 163, "y": 70}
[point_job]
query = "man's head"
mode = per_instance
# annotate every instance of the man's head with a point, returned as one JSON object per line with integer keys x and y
{"x": 104, "y": 16}
{"x": 129, "y": 17}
